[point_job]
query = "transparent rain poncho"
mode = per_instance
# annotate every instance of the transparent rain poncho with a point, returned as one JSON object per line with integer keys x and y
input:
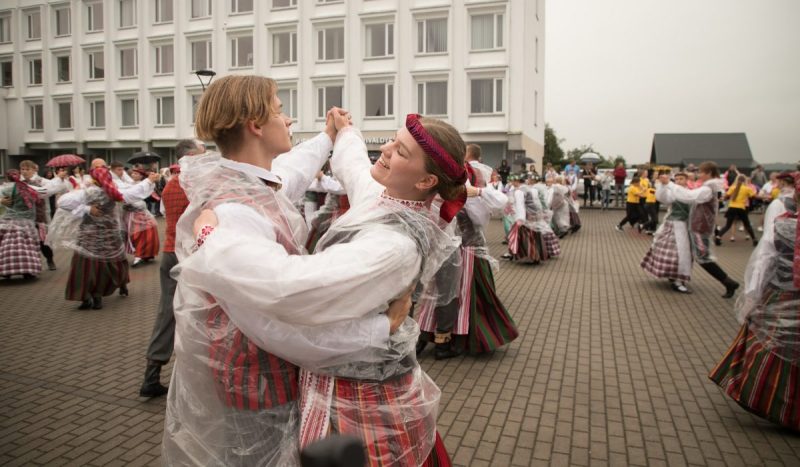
{"x": 75, "y": 228}
{"x": 770, "y": 304}
{"x": 560, "y": 207}
{"x": 18, "y": 216}
{"x": 136, "y": 219}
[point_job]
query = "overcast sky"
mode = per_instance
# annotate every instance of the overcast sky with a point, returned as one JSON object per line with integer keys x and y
{"x": 618, "y": 71}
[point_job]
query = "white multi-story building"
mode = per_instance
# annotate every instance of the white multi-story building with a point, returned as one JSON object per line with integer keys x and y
{"x": 112, "y": 77}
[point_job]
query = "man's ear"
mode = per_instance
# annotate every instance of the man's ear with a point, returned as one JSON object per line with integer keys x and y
{"x": 253, "y": 128}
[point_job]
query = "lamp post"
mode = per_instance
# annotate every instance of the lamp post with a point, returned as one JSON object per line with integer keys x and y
{"x": 201, "y": 74}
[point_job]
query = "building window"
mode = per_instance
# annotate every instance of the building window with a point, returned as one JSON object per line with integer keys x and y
{"x": 163, "y": 10}
{"x": 379, "y": 100}
{"x": 97, "y": 67}
{"x": 164, "y": 59}
{"x": 34, "y": 21}
{"x": 127, "y": 13}
{"x": 487, "y": 31}
{"x": 6, "y": 73}
{"x": 284, "y": 47}
{"x": 63, "y": 26}
{"x": 241, "y": 6}
{"x": 327, "y": 97}
{"x": 288, "y": 97}
{"x": 201, "y": 55}
{"x": 201, "y": 8}
{"x": 127, "y": 63}
{"x": 64, "y": 115}
{"x": 432, "y": 98}
{"x": 35, "y": 71}
{"x": 330, "y": 1}
{"x": 63, "y": 69}
{"x": 36, "y": 116}
{"x": 195, "y": 98}
{"x": 380, "y": 40}
{"x": 94, "y": 13}
{"x": 330, "y": 44}
{"x": 486, "y": 95}
{"x": 97, "y": 113}
{"x": 432, "y": 36}
{"x": 242, "y": 52}
{"x": 165, "y": 110}
{"x": 5, "y": 28}
{"x": 284, "y": 3}
{"x": 129, "y": 106}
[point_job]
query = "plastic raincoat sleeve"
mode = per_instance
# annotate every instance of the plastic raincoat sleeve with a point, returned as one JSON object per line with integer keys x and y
{"x": 298, "y": 167}
{"x": 51, "y": 187}
{"x": 664, "y": 194}
{"x": 74, "y": 202}
{"x": 331, "y": 185}
{"x": 351, "y": 166}
{"x": 519, "y": 205}
{"x": 696, "y": 196}
{"x": 494, "y": 199}
{"x": 137, "y": 191}
{"x": 774, "y": 210}
{"x": 346, "y": 281}
{"x": 478, "y": 211}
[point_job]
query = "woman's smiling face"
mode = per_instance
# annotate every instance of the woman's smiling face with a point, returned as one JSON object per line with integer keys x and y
{"x": 401, "y": 166}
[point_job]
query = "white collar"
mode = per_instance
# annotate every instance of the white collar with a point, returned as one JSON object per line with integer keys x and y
{"x": 251, "y": 169}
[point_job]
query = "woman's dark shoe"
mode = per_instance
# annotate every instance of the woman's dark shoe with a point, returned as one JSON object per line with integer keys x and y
{"x": 123, "y": 291}
{"x": 86, "y": 304}
{"x": 98, "y": 303}
{"x": 730, "y": 288}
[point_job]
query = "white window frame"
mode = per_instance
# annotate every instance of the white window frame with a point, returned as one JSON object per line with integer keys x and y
{"x": 234, "y": 7}
{"x": 422, "y": 95}
{"x": 35, "y": 119}
{"x": 233, "y": 41}
{"x": 320, "y": 92}
{"x": 57, "y": 67}
{"x": 498, "y": 37}
{"x": 322, "y": 41}
{"x": 292, "y": 4}
{"x": 423, "y": 47}
{"x": 134, "y": 20}
{"x": 135, "y": 99}
{"x": 31, "y": 66}
{"x": 91, "y": 14}
{"x": 496, "y": 109}
{"x": 30, "y": 23}
{"x": 159, "y": 109}
{"x": 209, "y": 54}
{"x": 158, "y": 54}
{"x": 293, "y": 46}
{"x": 124, "y": 48}
{"x": 10, "y": 62}
{"x": 326, "y": 2}
{"x": 92, "y": 108}
{"x": 5, "y": 28}
{"x": 205, "y": 13}
{"x": 388, "y": 99}
{"x": 192, "y": 108}
{"x": 58, "y": 103}
{"x": 157, "y": 10}
{"x": 56, "y": 11}
{"x": 91, "y": 62}
{"x": 291, "y": 89}
{"x": 388, "y": 38}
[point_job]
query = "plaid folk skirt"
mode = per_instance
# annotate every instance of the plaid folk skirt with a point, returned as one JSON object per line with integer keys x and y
{"x": 143, "y": 235}
{"x": 95, "y": 278}
{"x": 662, "y": 260}
{"x": 531, "y": 246}
{"x": 19, "y": 248}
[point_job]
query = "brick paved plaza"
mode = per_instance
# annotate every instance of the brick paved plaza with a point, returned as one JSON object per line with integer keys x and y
{"x": 610, "y": 368}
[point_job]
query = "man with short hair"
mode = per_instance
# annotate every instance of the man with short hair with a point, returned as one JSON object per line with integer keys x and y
{"x": 162, "y": 339}
{"x": 29, "y": 173}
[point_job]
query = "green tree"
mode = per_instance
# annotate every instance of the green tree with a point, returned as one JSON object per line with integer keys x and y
{"x": 552, "y": 148}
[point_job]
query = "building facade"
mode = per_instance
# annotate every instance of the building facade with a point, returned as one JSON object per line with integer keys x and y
{"x": 112, "y": 77}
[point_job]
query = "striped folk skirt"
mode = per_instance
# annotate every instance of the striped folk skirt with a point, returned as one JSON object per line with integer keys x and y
{"x": 490, "y": 326}
{"x": 389, "y": 435}
{"x": 531, "y": 246}
{"x": 759, "y": 380}
{"x": 19, "y": 248}
{"x": 663, "y": 259}
{"x": 143, "y": 232}
{"x": 95, "y": 278}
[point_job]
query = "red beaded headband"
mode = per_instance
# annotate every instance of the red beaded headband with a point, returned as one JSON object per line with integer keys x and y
{"x": 434, "y": 150}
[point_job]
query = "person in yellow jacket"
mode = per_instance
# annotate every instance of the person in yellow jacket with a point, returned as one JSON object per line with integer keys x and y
{"x": 738, "y": 194}
{"x": 632, "y": 208}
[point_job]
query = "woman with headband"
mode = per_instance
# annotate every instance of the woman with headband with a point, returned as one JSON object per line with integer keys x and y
{"x": 327, "y": 312}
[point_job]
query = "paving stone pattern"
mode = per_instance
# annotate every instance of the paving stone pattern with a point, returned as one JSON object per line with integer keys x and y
{"x": 610, "y": 368}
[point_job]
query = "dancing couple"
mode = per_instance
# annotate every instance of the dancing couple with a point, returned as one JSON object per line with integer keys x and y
{"x": 276, "y": 348}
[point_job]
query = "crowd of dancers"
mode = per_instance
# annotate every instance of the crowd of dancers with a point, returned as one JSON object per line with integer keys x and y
{"x": 297, "y": 291}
